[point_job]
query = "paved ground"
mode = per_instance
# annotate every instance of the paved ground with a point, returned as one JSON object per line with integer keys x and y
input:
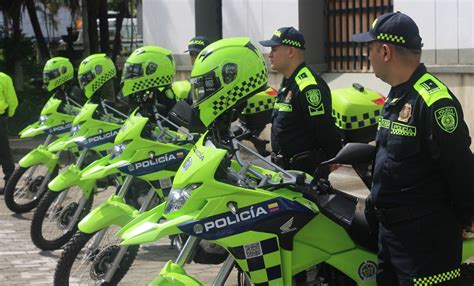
{"x": 22, "y": 263}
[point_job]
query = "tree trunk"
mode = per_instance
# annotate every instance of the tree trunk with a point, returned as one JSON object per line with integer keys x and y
{"x": 17, "y": 66}
{"x": 6, "y": 27}
{"x": 85, "y": 29}
{"x": 43, "y": 48}
{"x": 123, "y": 11}
{"x": 104, "y": 27}
{"x": 92, "y": 8}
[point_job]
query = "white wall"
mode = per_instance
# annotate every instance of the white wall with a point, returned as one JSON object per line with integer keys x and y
{"x": 446, "y": 26}
{"x": 169, "y": 23}
{"x": 257, "y": 19}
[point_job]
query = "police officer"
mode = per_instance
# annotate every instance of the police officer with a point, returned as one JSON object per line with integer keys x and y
{"x": 8, "y": 105}
{"x": 303, "y": 129}
{"x": 195, "y": 46}
{"x": 423, "y": 171}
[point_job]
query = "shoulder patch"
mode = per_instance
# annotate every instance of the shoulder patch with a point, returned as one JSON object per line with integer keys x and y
{"x": 431, "y": 89}
{"x": 305, "y": 78}
{"x": 447, "y": 118}
{"x": 313, "y": 96}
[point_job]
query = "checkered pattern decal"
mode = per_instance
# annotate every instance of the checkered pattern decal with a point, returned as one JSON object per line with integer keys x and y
{"x": 239, "y": 91}
{"x": 261, "y": 105}
{"x": 261, "y": 261}
{"x": 435, "y": 279}
{"x": 60, "y": 81}
{"x": 99, "y": 82}
{"x": 391, "y": 38}
{"x": 291, "y": 43}
{"x": 151, "y": 82}
{"x": 356, "y": 121}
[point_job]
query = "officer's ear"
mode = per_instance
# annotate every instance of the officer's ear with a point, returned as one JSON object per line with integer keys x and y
{"x": 294, "y": 52}
{"x": 387, "y": 52}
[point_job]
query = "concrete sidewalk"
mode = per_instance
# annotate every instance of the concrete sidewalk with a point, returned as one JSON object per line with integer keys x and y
{"x": 21, "y": 263}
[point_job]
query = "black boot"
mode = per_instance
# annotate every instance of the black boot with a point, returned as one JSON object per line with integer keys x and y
{"x": 2, "y": 190}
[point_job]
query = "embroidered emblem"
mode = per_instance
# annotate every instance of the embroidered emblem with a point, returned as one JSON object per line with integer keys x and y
{"x": 447, "y": 118}
{"x": 313, "y": 97}
{"x": 405, "y": 113}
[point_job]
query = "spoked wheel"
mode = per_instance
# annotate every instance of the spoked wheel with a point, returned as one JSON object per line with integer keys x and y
{"x": 25, "y": 188}
{"x": 87, "y": 257}
{"x": 53, "y": 216}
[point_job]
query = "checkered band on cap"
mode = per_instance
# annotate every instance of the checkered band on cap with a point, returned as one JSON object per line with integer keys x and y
{"x": 151, "y": 82}
{"x": 239, "y": 91}
{"x": 391, "y": 38}
{"x": 291, "y": 43}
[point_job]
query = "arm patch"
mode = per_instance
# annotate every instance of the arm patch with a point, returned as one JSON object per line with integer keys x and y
{"x": 447, "y": 118}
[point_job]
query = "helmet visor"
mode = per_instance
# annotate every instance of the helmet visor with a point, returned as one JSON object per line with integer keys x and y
{"x": 132, "y": 70}
{"x": 204, "y": 86}
{"x": 85, "y": 78}
{"x": 50, "y": 75}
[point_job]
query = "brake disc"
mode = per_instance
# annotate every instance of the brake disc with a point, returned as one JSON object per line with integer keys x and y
{"x": 103, "y": 261}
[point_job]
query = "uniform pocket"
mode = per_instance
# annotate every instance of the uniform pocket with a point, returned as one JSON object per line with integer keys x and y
{"x": 402, "y": 148}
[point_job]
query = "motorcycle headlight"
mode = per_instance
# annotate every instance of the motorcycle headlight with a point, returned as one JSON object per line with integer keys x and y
{"x": 43, "y": 119}
{"x": 177, "y": 198}
{"x": 74, "y": 130}
{"x": 117, "y": 150}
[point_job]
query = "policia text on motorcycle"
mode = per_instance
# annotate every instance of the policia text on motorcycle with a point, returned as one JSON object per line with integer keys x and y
{"x": 303, "y": 130}
{"x": 422, "y": 180}
{"x": 8, "y": 105}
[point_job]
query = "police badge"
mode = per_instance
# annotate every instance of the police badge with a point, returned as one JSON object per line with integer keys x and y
{"x": 405, "y": 113}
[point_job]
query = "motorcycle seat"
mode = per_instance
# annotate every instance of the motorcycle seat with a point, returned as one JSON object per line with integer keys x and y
{"x": 348, "y": 211}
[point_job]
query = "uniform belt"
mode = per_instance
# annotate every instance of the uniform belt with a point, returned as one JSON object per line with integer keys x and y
{"x": 390, "y": 216}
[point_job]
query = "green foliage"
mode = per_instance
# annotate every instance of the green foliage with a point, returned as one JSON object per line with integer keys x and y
{"x": 31, "y": 101}
{"x": 33, "y": 97}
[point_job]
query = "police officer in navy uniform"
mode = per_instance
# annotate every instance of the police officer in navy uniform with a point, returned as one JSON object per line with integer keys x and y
{"x": 423, "y": 171}
{"x": 8, "y": 105}
{"x": 303, "y": 129}
{"x": 195, "y": 46}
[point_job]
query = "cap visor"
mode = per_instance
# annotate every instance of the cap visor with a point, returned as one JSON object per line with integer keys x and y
{"x": 363, "y": 37}
{"x": 269, "y": 43}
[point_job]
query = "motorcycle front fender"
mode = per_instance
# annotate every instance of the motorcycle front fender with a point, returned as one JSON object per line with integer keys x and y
{"x": 148, "y": 232}
{"x": 114, "y": 211}
{"x": 152, "y": 216}
{"x": 32, "y": 130}
{"x": 173, "y": 274}
{"x": 62, "y": 143}
{"x": 70, "y": 177}
{"x": 39, "y": 156}
{"x": 101, "y": 169}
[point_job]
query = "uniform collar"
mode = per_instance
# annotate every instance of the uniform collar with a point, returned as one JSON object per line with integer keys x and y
{"x": 295, "y": 72}
{"x": 398, "y": 92}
